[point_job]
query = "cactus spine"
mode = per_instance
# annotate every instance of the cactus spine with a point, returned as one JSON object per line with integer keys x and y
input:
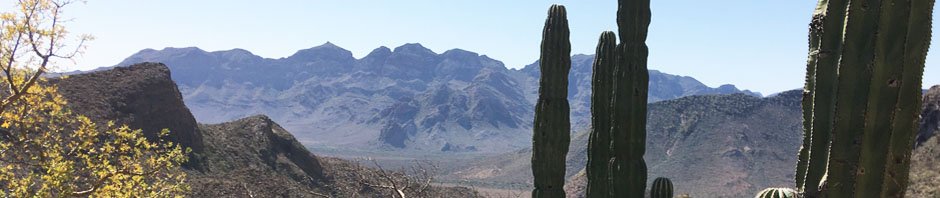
{"x": 815, "y": 30}
{"x": 875, "y": 89}
{"x": 662, "y": 188}
{"x": 551, "y": 127}
{"x": 599, "y": 140}
{"x": 777, "y": 193}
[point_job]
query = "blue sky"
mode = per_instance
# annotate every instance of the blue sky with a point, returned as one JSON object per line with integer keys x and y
{"x": 755, "y": 44}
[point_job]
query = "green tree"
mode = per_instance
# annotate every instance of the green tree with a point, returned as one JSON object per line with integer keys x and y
{"x": 45, "y": 149}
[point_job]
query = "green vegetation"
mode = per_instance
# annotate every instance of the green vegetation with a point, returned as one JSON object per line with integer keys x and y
{"x": 628, "y": 119}
{"x": 48, "y": 151}
{"x": 875, "y": 82}
{"x": 552, "y": 126}
{"x": 777, "y": 193}
{"x": 662, "y": 188}
{"x": 601, "y": 93}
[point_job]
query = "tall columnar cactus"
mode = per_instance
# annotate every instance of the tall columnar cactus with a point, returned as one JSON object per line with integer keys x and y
{"x": 631, "y": 81}
{"x": 662, "y": 188}
{"x": 777, "y": 193}
{"x": 819, "y": 94}
{"x": 599, "y": 140}
{"x": 551, "y": 127}
{"x": 866, "y": 60}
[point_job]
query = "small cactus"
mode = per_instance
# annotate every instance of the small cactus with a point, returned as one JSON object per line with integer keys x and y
{"x": 662, "y": 188}
{"x": 777, "y": 193}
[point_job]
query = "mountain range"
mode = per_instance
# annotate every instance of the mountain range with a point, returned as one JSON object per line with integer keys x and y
{"x": 709, "y": 145}
{"x": 247, "y": 157}
{"x": 715, "y": 146}
{"x": 407, "y": 98}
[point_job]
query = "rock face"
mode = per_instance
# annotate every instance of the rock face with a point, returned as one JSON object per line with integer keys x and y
{"x": 263, "y": 141}
{"x": 929, "y": 123}
{"x": 255, "y": 154}
{"x": 141, "y": 96}
{"x": 710, "y": 146}
{"x": 407, "y": 98}
{"x": 242, "y": 158}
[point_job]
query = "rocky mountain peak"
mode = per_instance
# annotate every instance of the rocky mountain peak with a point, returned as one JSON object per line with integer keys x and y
{"x": 146, "y": 54}
{"x": 327, "y": 51}
{"x": 237, "y": 54}
{"x": 460, "y": 54}
{"x": 381, "y": 51}
{"x": 415, "y": 49}
{"x": 929, "y": 123}
{"x": 142, "y": 96}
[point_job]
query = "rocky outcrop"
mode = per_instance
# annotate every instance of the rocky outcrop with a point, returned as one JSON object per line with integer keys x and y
{"x": 259, "y": 143}
{"x": 142, "y": 96}
{"x": 929, "y": 123}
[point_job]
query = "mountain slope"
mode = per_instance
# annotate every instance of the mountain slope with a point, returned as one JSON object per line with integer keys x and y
{"x": 929, "y": 124}
{"x": 925, "y": 176}
{"x": 250, "y": 156}
{"x": 711, "y": 145}
{"x": 408, "y": 98}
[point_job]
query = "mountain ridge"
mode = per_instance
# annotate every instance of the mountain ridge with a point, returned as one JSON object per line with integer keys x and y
{"x": 328, "y": 98}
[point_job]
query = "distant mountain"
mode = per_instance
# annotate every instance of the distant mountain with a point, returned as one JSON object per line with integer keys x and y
{"x": 408, "y": 98}
{"x": 662, "y": 87}
{"x": 709, "y": 145}
{"x": 242, "y": 158}
{"x": 929, "y": 124}
{"x": 926, "y": 154}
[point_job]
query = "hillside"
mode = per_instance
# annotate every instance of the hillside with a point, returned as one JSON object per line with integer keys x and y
{"x": 710, "y": 145}
{"x": 408, "y": 98}
{"x": 246, "y": 157}
{"x": 929, "y": 124}
{"x": 925, "y": 174}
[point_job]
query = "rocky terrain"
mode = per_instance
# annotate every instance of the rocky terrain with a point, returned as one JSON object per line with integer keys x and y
{"x": 930, "y": 116}
{"x": 249, "y": 157}
{"x": 709, "y": 145}
{"x": 717, "y": 146}
{"x": 925, "y": 160}
{"x": 408, "y": 98}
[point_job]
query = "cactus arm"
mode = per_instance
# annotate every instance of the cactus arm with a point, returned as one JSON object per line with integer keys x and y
{"x": 599, "y": 141}
{"x": 853, "y": 82}
{"x": 815, "y": 31}
{"x": 830, "y": 51}
{"x": 882, "y": 96}
{"x": 909, "y": 99}
{"x": 551, "y": 127}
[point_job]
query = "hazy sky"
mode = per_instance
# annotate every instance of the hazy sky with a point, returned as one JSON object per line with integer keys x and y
{"x": 755, "y": 44}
